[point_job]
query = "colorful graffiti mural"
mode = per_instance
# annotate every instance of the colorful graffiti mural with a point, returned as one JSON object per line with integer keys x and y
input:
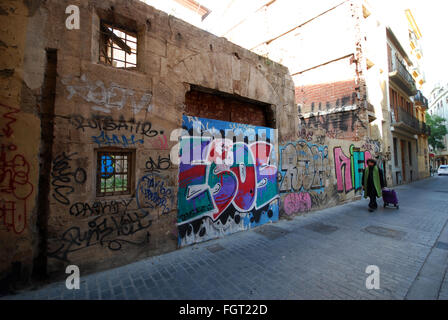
{"x": 348, "y": 169}
{"x": 227, "y": 179}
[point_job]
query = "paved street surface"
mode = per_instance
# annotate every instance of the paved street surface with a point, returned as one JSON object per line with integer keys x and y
{"x": 322, "y": 255}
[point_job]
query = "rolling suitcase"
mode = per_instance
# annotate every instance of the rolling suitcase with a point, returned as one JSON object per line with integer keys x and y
{"x": 390, "y": 198}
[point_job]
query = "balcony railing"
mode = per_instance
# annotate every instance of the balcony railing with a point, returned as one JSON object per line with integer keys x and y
{"x": 424, "y": 129}
{"x": 402, "y": 118}
{"x": 399, "y": 116}
{"x": 398, "y": 73}
{"x": 420, "y": 99}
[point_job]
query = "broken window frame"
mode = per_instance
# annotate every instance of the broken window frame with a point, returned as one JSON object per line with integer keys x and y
{"x": 110, "y": 42}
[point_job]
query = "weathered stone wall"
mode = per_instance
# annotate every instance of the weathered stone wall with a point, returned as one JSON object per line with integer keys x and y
{"x": 311, "y": 158}
{"x": 19, "y": 143}
{"x": 97, "y": 106}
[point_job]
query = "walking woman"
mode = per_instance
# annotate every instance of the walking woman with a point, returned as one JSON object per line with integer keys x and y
{"x": 372, "y": 183}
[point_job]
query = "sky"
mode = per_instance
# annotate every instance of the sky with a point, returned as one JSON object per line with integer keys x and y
{"x": 431, "y": 17}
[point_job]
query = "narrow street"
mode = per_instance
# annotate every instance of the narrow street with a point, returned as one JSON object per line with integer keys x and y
{"x": 322, "y": 255}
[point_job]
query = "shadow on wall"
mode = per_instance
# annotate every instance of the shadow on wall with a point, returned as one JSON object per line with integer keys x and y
{"x": 339, "y": 123}
{"x": 332, "y": 107}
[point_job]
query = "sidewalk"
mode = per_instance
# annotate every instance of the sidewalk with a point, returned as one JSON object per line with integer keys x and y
{"x": 322, "y": 255}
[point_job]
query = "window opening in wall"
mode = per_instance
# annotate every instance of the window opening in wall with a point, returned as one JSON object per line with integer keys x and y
{"x": 114, "y": 172}
{"x": 118, "y": 47}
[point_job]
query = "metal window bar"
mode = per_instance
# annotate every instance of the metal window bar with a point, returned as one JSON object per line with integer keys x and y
{"x": 109, "y": 37}
{"x": 116, "y": 59}
{"x": 113, "y": 173}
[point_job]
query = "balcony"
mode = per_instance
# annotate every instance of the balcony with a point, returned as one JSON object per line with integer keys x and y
{"x": 404, "y": 120}
{"x": 420, "y": 100}
{"x": 400, "y": 118}
{"x": 424, "y": 129}
{"x": 401, "y": 76}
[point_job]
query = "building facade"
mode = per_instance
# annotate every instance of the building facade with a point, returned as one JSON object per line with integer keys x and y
{"x": 438, "y": 105}
{"x": 339, "y": 52}
{"x": 417, "y": 71}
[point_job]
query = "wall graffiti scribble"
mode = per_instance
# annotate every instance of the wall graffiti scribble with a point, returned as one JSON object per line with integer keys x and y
{"x": 15, "y": 185}
{"x": 160, "y": 143}
{"x": 99, "y": 207}
{"x": 340, "y": 122}
{"x": 152, "y": 193}
{"x": 107, "y": 123}
{"x": 161, "y": 164}
{"x": 62, "y": 175}
{"x": 111, "y": 232}
{"x": 297, "y": 202}
{"x": 14, "y": 181}
{"x": 103, "y": 139}
{"x": 7, "y": 130}
{"x": 106, "y": 99}
{"x": 372, "y": 145}
{"x": 305, "y": 134}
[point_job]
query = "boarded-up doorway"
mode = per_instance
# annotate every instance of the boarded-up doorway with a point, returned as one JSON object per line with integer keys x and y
{"x": 204, "y": 103}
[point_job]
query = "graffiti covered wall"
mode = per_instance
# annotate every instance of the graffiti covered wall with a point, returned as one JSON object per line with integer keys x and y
{"x": 89, "y": 123}
{"x": 89, "y": 109}
{"x": 313, "y": 176}
{"x": 304, "y": 175}
{"x": 97, "y": 108}
{"x": 227, "y": 179}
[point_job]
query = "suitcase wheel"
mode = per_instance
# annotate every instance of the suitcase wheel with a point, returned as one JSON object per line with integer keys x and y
{"x": 398, "y": 207}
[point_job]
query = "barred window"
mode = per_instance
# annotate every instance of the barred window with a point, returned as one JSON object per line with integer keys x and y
{"x": 118, "y": 47}
{"x": 114, "y": 172}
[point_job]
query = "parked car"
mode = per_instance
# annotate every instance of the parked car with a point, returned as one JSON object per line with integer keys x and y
{"x": 443, "y": 169}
